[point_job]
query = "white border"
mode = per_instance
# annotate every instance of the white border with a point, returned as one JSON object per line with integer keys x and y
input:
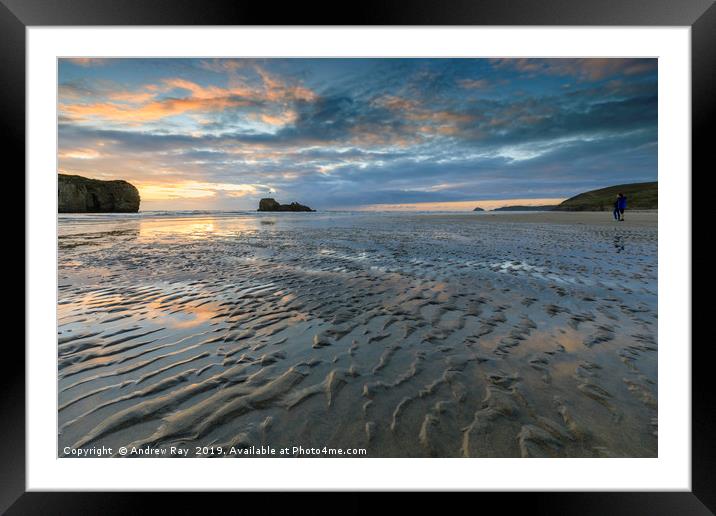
{"x": 672, "y": 468}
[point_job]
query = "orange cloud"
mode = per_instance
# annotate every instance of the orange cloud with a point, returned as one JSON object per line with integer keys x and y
{"x": 396, "y": 103}
{"x": 474, "y": 84}
{"x": 80, "y": 154}
{"x": 374, "y": 135}
{"x": 439, "y": 117}
{"x": 132, "y": 97}
{"x": 276, "y": 90}
{"x": 429, "y": 121}
{"x": 287, "y": 117}
{"x": 87, "y": 61}
{"x": 145, "y": 105}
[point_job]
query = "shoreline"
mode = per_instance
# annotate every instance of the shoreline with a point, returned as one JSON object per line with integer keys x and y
{"x": 593, "y": 218}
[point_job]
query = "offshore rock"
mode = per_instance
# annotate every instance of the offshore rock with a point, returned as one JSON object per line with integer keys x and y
{"x": 268, "y": 204}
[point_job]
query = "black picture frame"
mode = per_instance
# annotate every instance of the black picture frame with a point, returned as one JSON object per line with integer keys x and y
{"x": 700, "y": 15}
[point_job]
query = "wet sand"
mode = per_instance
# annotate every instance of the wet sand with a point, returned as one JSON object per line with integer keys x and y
{"x": 410, "y": 335}
{"x": 631, "y": 218}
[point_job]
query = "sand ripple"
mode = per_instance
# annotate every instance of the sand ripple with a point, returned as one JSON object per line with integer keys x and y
{"x": 407, "y": 335}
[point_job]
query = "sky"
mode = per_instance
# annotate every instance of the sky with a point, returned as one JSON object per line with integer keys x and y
{"x": 220, "y": 134}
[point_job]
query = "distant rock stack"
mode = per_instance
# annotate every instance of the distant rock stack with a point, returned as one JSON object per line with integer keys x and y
{"x": 478, "y": 209}
{"x": 77, "y": 194}
{"x": 269, "y": 204}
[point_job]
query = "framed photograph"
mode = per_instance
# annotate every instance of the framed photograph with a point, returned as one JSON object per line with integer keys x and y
{"x": 419, "y": 253}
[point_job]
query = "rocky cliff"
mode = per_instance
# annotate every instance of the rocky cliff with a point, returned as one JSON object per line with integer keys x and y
{"x": 269, "y": 204}
{"x": 78, "y": 194}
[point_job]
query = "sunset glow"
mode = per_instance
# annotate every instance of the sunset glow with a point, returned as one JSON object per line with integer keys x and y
{"x": 361, "y": 133}
{"x": 461, "y": 205}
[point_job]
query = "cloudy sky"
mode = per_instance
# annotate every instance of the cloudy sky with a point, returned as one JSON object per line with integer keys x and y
{"x": 358, "y": 133}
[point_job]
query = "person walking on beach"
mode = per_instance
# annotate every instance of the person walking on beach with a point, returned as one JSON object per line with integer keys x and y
{"x": 619, "y": 207}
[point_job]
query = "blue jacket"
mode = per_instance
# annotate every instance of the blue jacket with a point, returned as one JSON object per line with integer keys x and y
{"x": 621, "y": 203}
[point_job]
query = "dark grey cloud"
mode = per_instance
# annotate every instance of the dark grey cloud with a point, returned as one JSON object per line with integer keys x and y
{"x": 402, "y": 131}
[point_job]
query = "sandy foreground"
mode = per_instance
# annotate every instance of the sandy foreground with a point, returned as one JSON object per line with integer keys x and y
{"x": 409, "y": 335}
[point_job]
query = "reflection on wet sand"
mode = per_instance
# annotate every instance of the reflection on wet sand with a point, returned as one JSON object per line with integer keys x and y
{"x": 153, "y": 229}
{"x": 619, "y": 242}
{"x": 407, "y": 334}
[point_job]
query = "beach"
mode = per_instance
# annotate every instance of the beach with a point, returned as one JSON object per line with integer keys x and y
{"x": 405, "y": 334}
